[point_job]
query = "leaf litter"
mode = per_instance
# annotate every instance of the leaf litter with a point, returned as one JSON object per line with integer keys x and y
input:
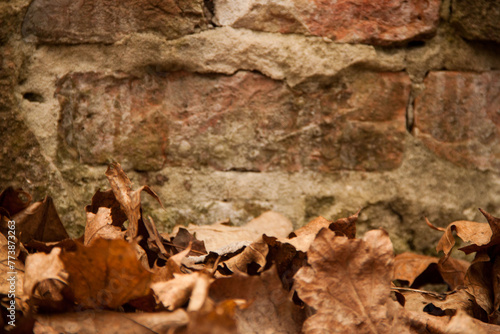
{"x": 262, "y": 277}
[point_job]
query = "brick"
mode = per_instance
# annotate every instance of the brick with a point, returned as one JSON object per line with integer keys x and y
{"x": 457, "y": 117}
{"x": 378, "y": 22}
{"x": 106, "y": 21}
{"x": 477, "y": 19}
{"x": 241, "y": 122}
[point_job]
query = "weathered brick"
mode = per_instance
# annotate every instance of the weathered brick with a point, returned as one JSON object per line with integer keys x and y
{"x": 477, "y": 19}
{"x": 242, "y": 122}
{"x": 106, "y": 21}
{"x": 457, "y": 116}
{"x": 378, "y": 22}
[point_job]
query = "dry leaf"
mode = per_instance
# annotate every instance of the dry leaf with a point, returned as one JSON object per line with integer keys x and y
{"x": 479, "y": 235}
{"x": 14, "y": 200}
{"x": 105, "y": 274}
{"x": 45, "y": 281}
{"x": 40, "y": 267}
{"x": 409, "y": 266}
{"x": 419, "y": 270}
{"x": 40, "y": 221}
{"x": 347, "y": 282}
{"x": 172, "y": 266}
{"x": 107, "y": 199}
{"x": 218, "y": 319}
{"x": 478, "y": 280}
{"x": 220, "y": 235}
{"x": 440, "y": 304}
{"x": 184, "y": 238}
{"x": 269, "y": 309}
{"x": 251, "y": 261}
{"x": 100, "y": 225}
{"x": 287, "y": 259}
{"x": 130, "y": 200}
{"x": 92, "y": 322}
{"x": 302, "y": 238}
{"x": 177, "y": 291}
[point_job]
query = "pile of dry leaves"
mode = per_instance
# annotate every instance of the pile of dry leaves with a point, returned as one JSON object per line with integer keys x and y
{"x": 122, "y": 276}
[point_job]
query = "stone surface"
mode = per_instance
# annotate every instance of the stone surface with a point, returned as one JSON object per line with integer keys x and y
{"x": 477, "y": 19}
{"x": 378, "y": 22}
{"x": 457, "y": 117}
{"x": 120, "y": 118}
{"x": 106, "y": 21}
{"x": 241, "y": 122}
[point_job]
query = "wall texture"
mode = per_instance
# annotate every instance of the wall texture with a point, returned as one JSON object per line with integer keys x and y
{"x": 229, "y": 108}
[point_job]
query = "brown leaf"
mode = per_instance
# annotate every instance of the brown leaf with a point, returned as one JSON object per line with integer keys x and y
{"x": 311, "y": 228}
{"x": 409, "y": 266}
{"x": 218, "y": 319}
{"x": 478, "y": 280}
{"x": 302, "y": 238}
{"x": 479, "y": 235}
{"x": 269, "y": 309}
{"x": 91, "y": 322}
{"x": 39, "y": 221}
{"x": 184, "y": 238}
{"x": 347, "y": 282}
{"x": 419, "y": 270}
{"x": 453, "y": 271}
{"x": 107, "y": 199}
{"x": 463, "y": 323}
{"x": 40, "y": 267}
{"x": 287, "y": 259}
{"x": 220, "y": 235}
{"x": 172, "y": 266}
{"x": 130, "y": 201}
{"x": 14, "y": 200}
{"x": 448, "y": 303}
{"x": 45, "y": 281}
{"x": 251, "y": 261}
{"x": 100, "y": 225}
{"x": 105, "y": 274}
{"x": 345, "y": 226}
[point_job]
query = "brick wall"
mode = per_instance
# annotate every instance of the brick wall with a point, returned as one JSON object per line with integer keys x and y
{"x": 228, "y": 108}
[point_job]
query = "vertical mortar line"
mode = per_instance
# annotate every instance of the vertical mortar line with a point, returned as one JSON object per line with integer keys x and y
{"x": 410, "y": 117}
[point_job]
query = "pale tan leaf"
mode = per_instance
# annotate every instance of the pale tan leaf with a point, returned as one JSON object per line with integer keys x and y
{"x": 347, "y": 282}
{"x": 219, "y": 235}
{"x": 92, "y": 322}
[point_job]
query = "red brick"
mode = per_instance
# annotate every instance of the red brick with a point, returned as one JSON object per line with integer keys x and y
{"x": 457, "y": 116}
{"x": 375, "y": 22}
{"x": 380, "y": 22}
{"x": 107, "y": 21}
{"x": 243, "y": 122}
